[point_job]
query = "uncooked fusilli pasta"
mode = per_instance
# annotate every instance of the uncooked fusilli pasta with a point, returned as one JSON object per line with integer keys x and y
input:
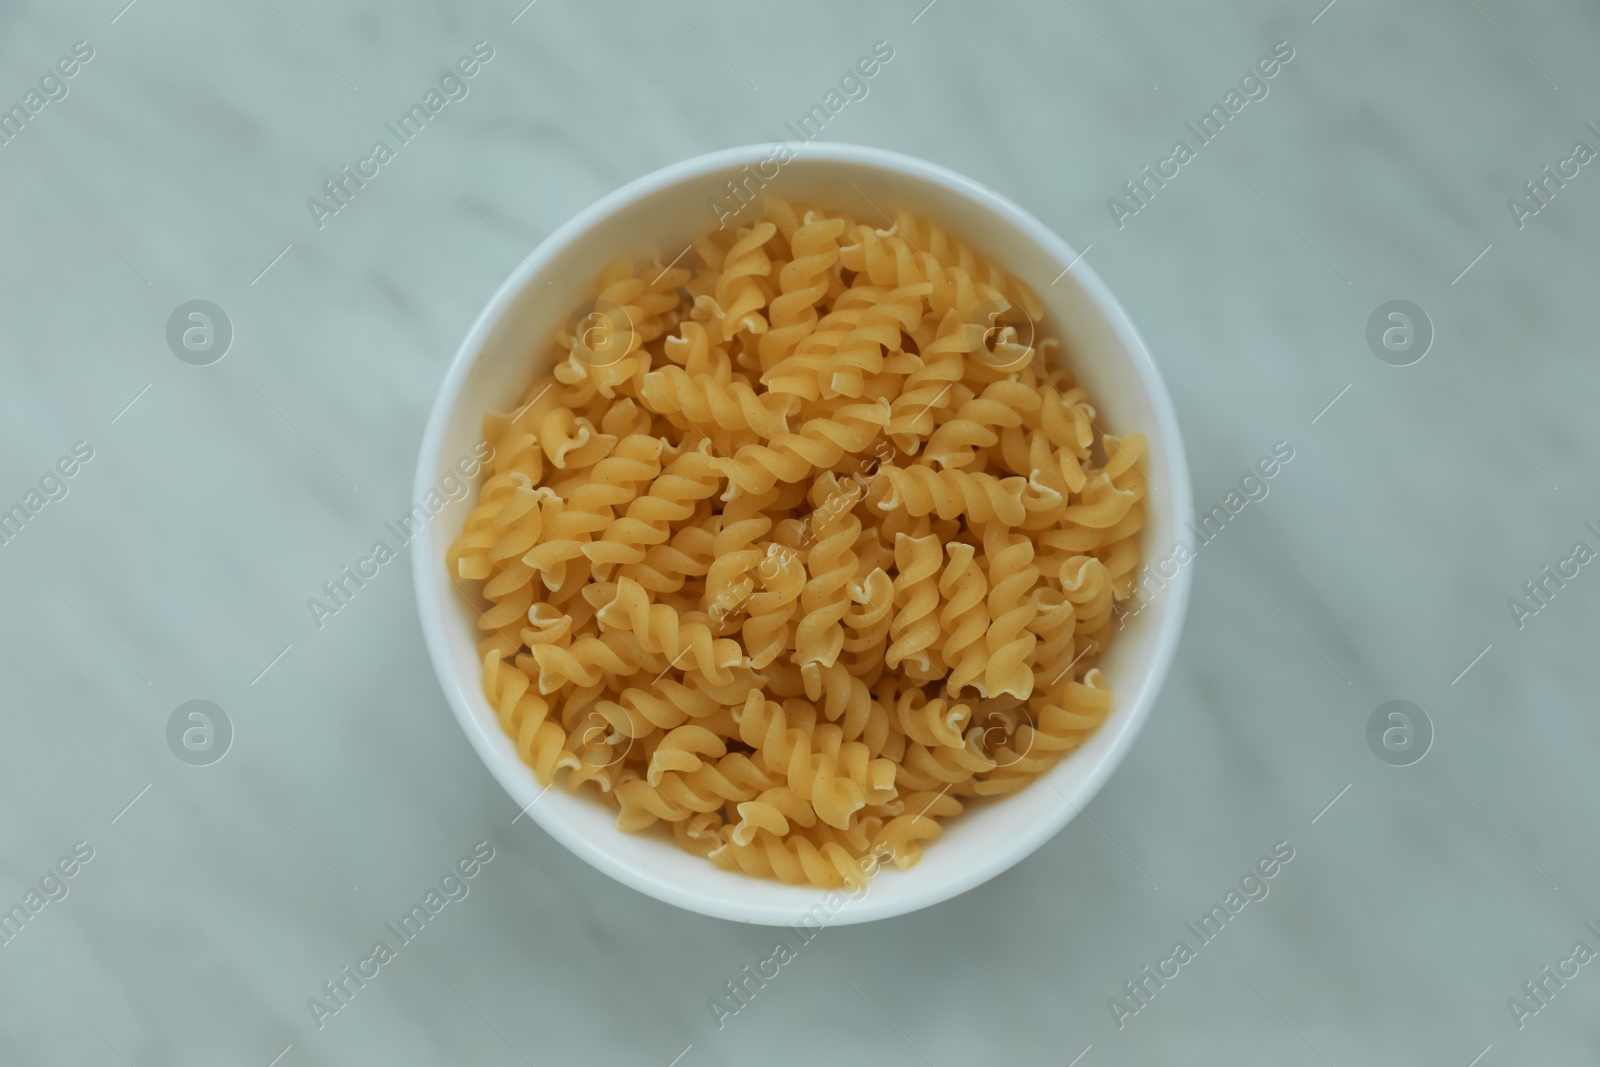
{"x": 801, "y": 547}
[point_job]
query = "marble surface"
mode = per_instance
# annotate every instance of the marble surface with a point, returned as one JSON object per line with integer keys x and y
{"x": 177, "y": 566}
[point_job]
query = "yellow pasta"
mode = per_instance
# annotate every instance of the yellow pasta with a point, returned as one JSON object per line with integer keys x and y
{"x": 797, "y": 550}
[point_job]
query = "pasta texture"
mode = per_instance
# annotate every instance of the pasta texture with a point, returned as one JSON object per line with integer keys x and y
{"x": 807, "y": 541}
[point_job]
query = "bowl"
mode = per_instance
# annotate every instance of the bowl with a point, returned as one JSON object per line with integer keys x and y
{"x": 660, "y": 214}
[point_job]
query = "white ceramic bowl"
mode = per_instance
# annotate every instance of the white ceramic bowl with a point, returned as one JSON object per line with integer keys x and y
{"x": 661, "y": 213}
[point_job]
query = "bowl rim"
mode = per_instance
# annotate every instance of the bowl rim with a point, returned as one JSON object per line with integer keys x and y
{"x": 513, "y": 775}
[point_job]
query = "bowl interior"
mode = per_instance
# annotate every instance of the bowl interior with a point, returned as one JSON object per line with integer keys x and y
{"x": 660, "y": 215}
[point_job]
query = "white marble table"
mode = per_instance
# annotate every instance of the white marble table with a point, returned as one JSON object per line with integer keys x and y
{"x": 218, "y": 499}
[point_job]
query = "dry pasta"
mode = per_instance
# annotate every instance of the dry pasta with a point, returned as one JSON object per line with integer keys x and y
{"x": 801, "y": 545}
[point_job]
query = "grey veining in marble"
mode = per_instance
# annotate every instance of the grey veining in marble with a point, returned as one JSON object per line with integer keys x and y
{"x": 175, "y": 165}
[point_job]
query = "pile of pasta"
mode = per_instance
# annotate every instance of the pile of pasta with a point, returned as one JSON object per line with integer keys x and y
{"x": 806, "y": 541}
